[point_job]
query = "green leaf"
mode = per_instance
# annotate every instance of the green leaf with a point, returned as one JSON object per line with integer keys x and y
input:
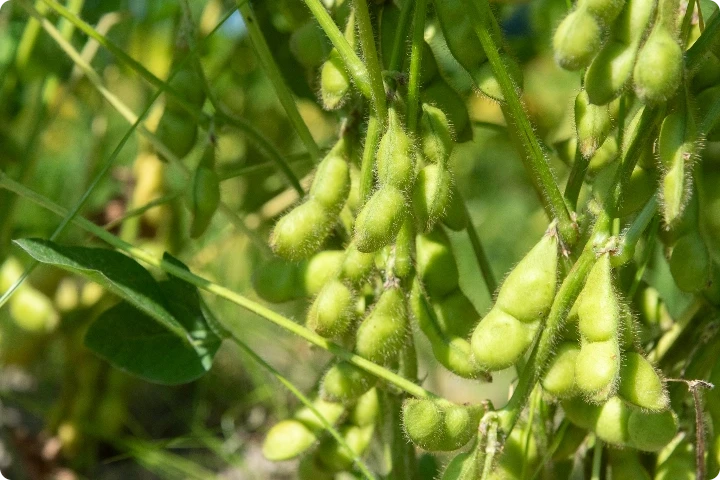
{"x": 158, "y": 332}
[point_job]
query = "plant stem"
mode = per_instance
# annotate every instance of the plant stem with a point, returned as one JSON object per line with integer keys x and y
{"x": 395, "y": 62}
{"x": 576, "y": 178}
{"x": 367, "y": 169}
{"x": 367, "y": 43}
{"x": 257, "y": 39}
{"x": 597, "y": 460}
{"x": 480, "y": 255}
{"x": 697, "y": 53}
{"x": 490, "y": 449}
{"x": 535, "y": 160}
{"x": 355, "y": 66}
{"x": 222, "y": 292}
{"x": 418, "y": 41}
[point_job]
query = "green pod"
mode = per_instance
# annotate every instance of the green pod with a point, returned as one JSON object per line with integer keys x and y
{"x": 676, "y": 149}
{"x": 205, "y": 200}
{"x": 334, "y": 81}
{"x": 177, "y": 132}
{"x": 382, "y": 333}
{"x": 436, "y": 264}
{"x": 380, "y": 220}
{"x": 318, "y": 270}
{"x": 395, "y": 160}
{"x": 519, "y": 454}
{"x": 708, "y": 75}
{"x": 345, "y": 383}
{"x": 639, "y": 188}
{"x": 331, "y": 185}
{"x": 606, "y": 11}
{"x": 33, "y": 311}
{"x": 431, "y": 195}
{"x": 690, "y": 263}
{"x": 571, "y": 440}
{"x": 598, "y": 307}
{"x": 559, "y": 379}
{"x": 604, "y": 156}
{"x": 275, "y": 280}
{"x": 405, "y": 249}
{"x": 436, "y": 135}
{"x": 335, "y": 457}
{"x": 659, "y": 66}
{"x": 459, "y": 34}
{"x": 640, "y": 383}
{"x": 610, "y": 71}
{"x": 461, "y": 425}
{"x": 577, "y": 40}
{"x": 286, "y": 440}
{"x": 10, "y": 272}
{"x": 356, "y": 265}
{"x": 333, "y": 310}
{"x": 609, "y": 421}
{"x": 309, "y": 45}
{"x": 651, "y": 431}
{"x": 310, "y": 470}
{"x": 424, "y": 423}
{"x": 463, "y": 466}
{"x": 456, "y": 314}
{"x": 500, "y": 340}
{"x": 592, "y": 123}
{"x": 330, "y": 411}
{"x": 188, "y": 84}
{"x": 597, "y": 368}
{"x": 528, "y": 291}
{"x": 441, "y": 95}
{"x": 632, "y": 23}
{"x": 626, "y": 464}
{"x": 456, "y": 216}
{"x": 679, "y": 465}
{"x": 302, "y": 231}
{"x": 487, "y": 83}
{"x": 366, "y": 410}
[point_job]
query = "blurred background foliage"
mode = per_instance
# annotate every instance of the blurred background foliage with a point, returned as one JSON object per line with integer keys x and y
{"x": 64, "y": 413}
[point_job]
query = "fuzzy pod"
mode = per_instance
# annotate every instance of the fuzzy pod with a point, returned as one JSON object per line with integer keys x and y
{"x": 610, "y": 72}
{"x": 690, "y": 263}
{"x": 357, "y": 265}
{"x": 463, "y": 466}
{"x": 640, "y": 383}
{"x": 436, "y": 264}
{"x": 205, "y": 199}
{"x": 335, "y": 457}
{"x": 659, "y": 67}
{"x": 456, "y": 216}
{"x": 345, "y": 383}
{"x": 577, "y": 40}
{"x": 309, "y": 45}
{"x": 528, "y": 291}
{"x": 461, "y": 424}
{"x": 651, "y": 431}
{"x": 436, "y": 135}
{"x": 640, "y": 187}
{"x": 332, "y": 312}
{"x": 606, "y": 155}
{"x": 676, "y": 150}
{"x": 380, "y": 220}
{"x": 334, "y": 81}
{"x": 33, "y": 311}
{"x": 188, "y": 84}
{"x": 597, "y": 368}
{"x": 626, "y": 464}
{"x": 592, "y": 122}
{"x": 632, "y": 23}
{"x": 598, "y": 306}
{"x": 606, "y": 11}
{"x": 487, "y": 83}
{"x": 395, "y": 159}
{"x": 459, "y": 33}
{"x": 520, "y": 454}
{"x": 439, "y": 425}
{"x": 276, "y": 280}
{"x": 500, "y": 340}
{"x": 382, "y": 333}
{"x": 318, "y": 270}
{"x": 431, "y": 195}
{"x": 559, "y": 379}
{"x": 286, "y": 440}
{"x": 708, "y": 75}
{"x": 177, "y": 132}
{"x": 405, "y": 249}
{"x": 331, "y": 185}
{"x": 441, "y": 95}
{"x": 609, "y": 421}
{"x": 456, "y": 315}
{"x": 366, "y": 410}
{"x": 571, "y": 440}
{"x": 330, "y": 411}
{"x": 302, "y": 231}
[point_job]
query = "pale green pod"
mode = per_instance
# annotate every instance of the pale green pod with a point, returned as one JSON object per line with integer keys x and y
{"x": 345, "y": 383}
{"x": 577, "y": 40}
{"x": 461, "y": 425}
{"x": 611, "y": 423}
{"x": 658, "y": 70}
{"x": 597, "y": 368}
{"x": 592, "y": 122}
{"x": 633, "y": 21}
{"x": 404, "y": 249}
{"x": 395, "y": 159}
{"x": 424, "y": 423}
{"x": 606, "y": 11}
{"x": 441, "y": 95}
{"x": 275, "y": 280}
{"x": 331, "y": 185}
{"x": 604, "y": 156}
{"x": 598, "y": 307}
{"x": 528, "y": 291}
{"x": 487, "y": 83}
{"x": 436, "y": 265}
{"x": 690, "y": 262}
{"x": 366, "y": 410}
{"x": 357, "y": 265}
{"x": 431, "y": 195}
{"x": 332, "y": 312}
{"x": 382, "y": 333}
{"x": 436, "y": 135}
{"x": 318, "y": 270}
{"x": 626, "y": 464}
{"x": 640, "y": 383}
{"x": 610, "y": 71}
{"x": 335, "y": 457}
{"x": 380, "y": 219}
{"x": 500, "y": 340}
{"x": 651, "y": 431}
{"x": 334, "y": 81}
{"x": 331, "y": 412}
{"x": 302, "y": 231}
{"x": 456, "y": 314}
{"x": 287, "y": 439}
{"x": 559, "y": 379}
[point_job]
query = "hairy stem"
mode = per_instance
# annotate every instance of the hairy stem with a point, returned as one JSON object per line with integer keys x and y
{"x": 418, "y": 40}
{"x": 367, "y": 44}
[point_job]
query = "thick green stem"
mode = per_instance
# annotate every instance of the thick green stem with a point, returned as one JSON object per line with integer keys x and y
{"x": 480, "y": 255}
{"x": 356, "y": 68}
{"x": 273, "y": 72}
{"x": 597, "y": 460}
{"x": 367, "y": 43}
{"x": 222, "y": 292}
{"x": 576, "y": 178}
{"x": 372, "y": 138}
{"x": 396, "y": 59}
{"x": 537, "y": 162}
{"x": 418, "y": 41}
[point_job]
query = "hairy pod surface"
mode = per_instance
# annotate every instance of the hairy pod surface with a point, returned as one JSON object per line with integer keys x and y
{"x": 610, "y": 71}
{"x": 302, "y": 231}
{"x": 559, "y": 379}
{"x": 395, "y": 160}
{"x": 436, "y": 264}
{"x": 528, "y": 291}
{"x": 659, "y": 66}
{"x": 441, "y": 95}
{"x": 366, "y": 410}
{"x": 690, "y": 262}
{"x": 438, "y": 425}
{"x": 592, "y": 123}
{"x": 205, "y": 199}
{"x": 597, "y": 368}
{"x": 431, "y": 195}
{"x": 332, "y": 311}
{"x": 456, "y": 314}
{"x": 577, "y": 40}
{"x": 318, "y": 270}
{"x": 275, "y": 280}
{"x": 287, "y": 439}
{"x": 604, "y": 156}
{"x": 357, "y": 265}
{"x": 651, "y": 431}
{"x": 436, "y": 135}
{"x": 345, "y": 382}
{"x": 606, "y": 11}
{"x": 640, "y": 383}
{"x": 500, "y": 340}
{"x": 331, "y": 185}
{"x": 379, "y": 221}
{"x": 598, "y": 308}
{"x": 487, "y": 83}
{"x": 676, "y": 148}
{"x": 334, "y": 81}
{"x": 382, "y": 333}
